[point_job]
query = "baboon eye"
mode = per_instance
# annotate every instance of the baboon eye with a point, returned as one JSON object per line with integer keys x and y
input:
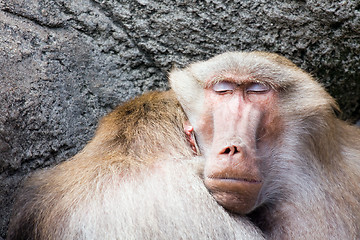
{"x": 257, "y": 88}
{"x": 224, "y": 87}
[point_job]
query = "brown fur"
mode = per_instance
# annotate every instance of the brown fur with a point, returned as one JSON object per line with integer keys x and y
{"x": 136, "y": 179}
{"x": 311, "y": 168}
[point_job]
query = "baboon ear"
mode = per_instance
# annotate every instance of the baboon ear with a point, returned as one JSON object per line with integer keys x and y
{"x": 190, "y": 136}
{"x": 189, "y": 92}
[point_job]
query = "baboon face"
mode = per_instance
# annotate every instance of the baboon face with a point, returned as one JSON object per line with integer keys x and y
{"x": 237, "y": 104}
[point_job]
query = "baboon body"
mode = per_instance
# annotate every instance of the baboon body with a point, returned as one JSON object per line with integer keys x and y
{"x": 136, "y": 179}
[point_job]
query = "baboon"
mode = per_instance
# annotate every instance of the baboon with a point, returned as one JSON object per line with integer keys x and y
{"x": 274, "y": 150}
{"x": 137, "y": 178}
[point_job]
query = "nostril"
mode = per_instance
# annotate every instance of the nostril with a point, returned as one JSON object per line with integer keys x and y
{"x": 226, "y": 151}
{"x": 236, "y": 150}
{"x": 230, "y": 150}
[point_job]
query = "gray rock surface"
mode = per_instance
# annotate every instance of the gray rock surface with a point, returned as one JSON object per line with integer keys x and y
{"x": 64, "y": 64}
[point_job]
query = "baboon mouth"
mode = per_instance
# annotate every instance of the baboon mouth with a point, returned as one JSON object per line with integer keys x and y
{"x": 235, "y": 179}
{"x": 236, "y": 194}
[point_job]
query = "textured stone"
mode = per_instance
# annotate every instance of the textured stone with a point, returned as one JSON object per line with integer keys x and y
{"x": 64, "y": 64}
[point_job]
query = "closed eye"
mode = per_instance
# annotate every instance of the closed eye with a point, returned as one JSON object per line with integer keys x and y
{"x": 257, "y": 88}
{"x": 224, "y": 87}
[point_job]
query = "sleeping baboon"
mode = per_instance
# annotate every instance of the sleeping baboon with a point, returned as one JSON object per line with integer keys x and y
{"x": 136, "y": 179}
{"x": 273, "y": 148}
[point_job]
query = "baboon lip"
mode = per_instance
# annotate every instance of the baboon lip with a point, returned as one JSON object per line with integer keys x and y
{"x": 234, "y": 179}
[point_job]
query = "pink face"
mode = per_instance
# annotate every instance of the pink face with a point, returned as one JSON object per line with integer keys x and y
{"x": 238, "y": 122}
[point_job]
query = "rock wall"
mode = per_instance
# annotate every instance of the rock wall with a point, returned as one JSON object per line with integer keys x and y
{"x": 64, "y": 64}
